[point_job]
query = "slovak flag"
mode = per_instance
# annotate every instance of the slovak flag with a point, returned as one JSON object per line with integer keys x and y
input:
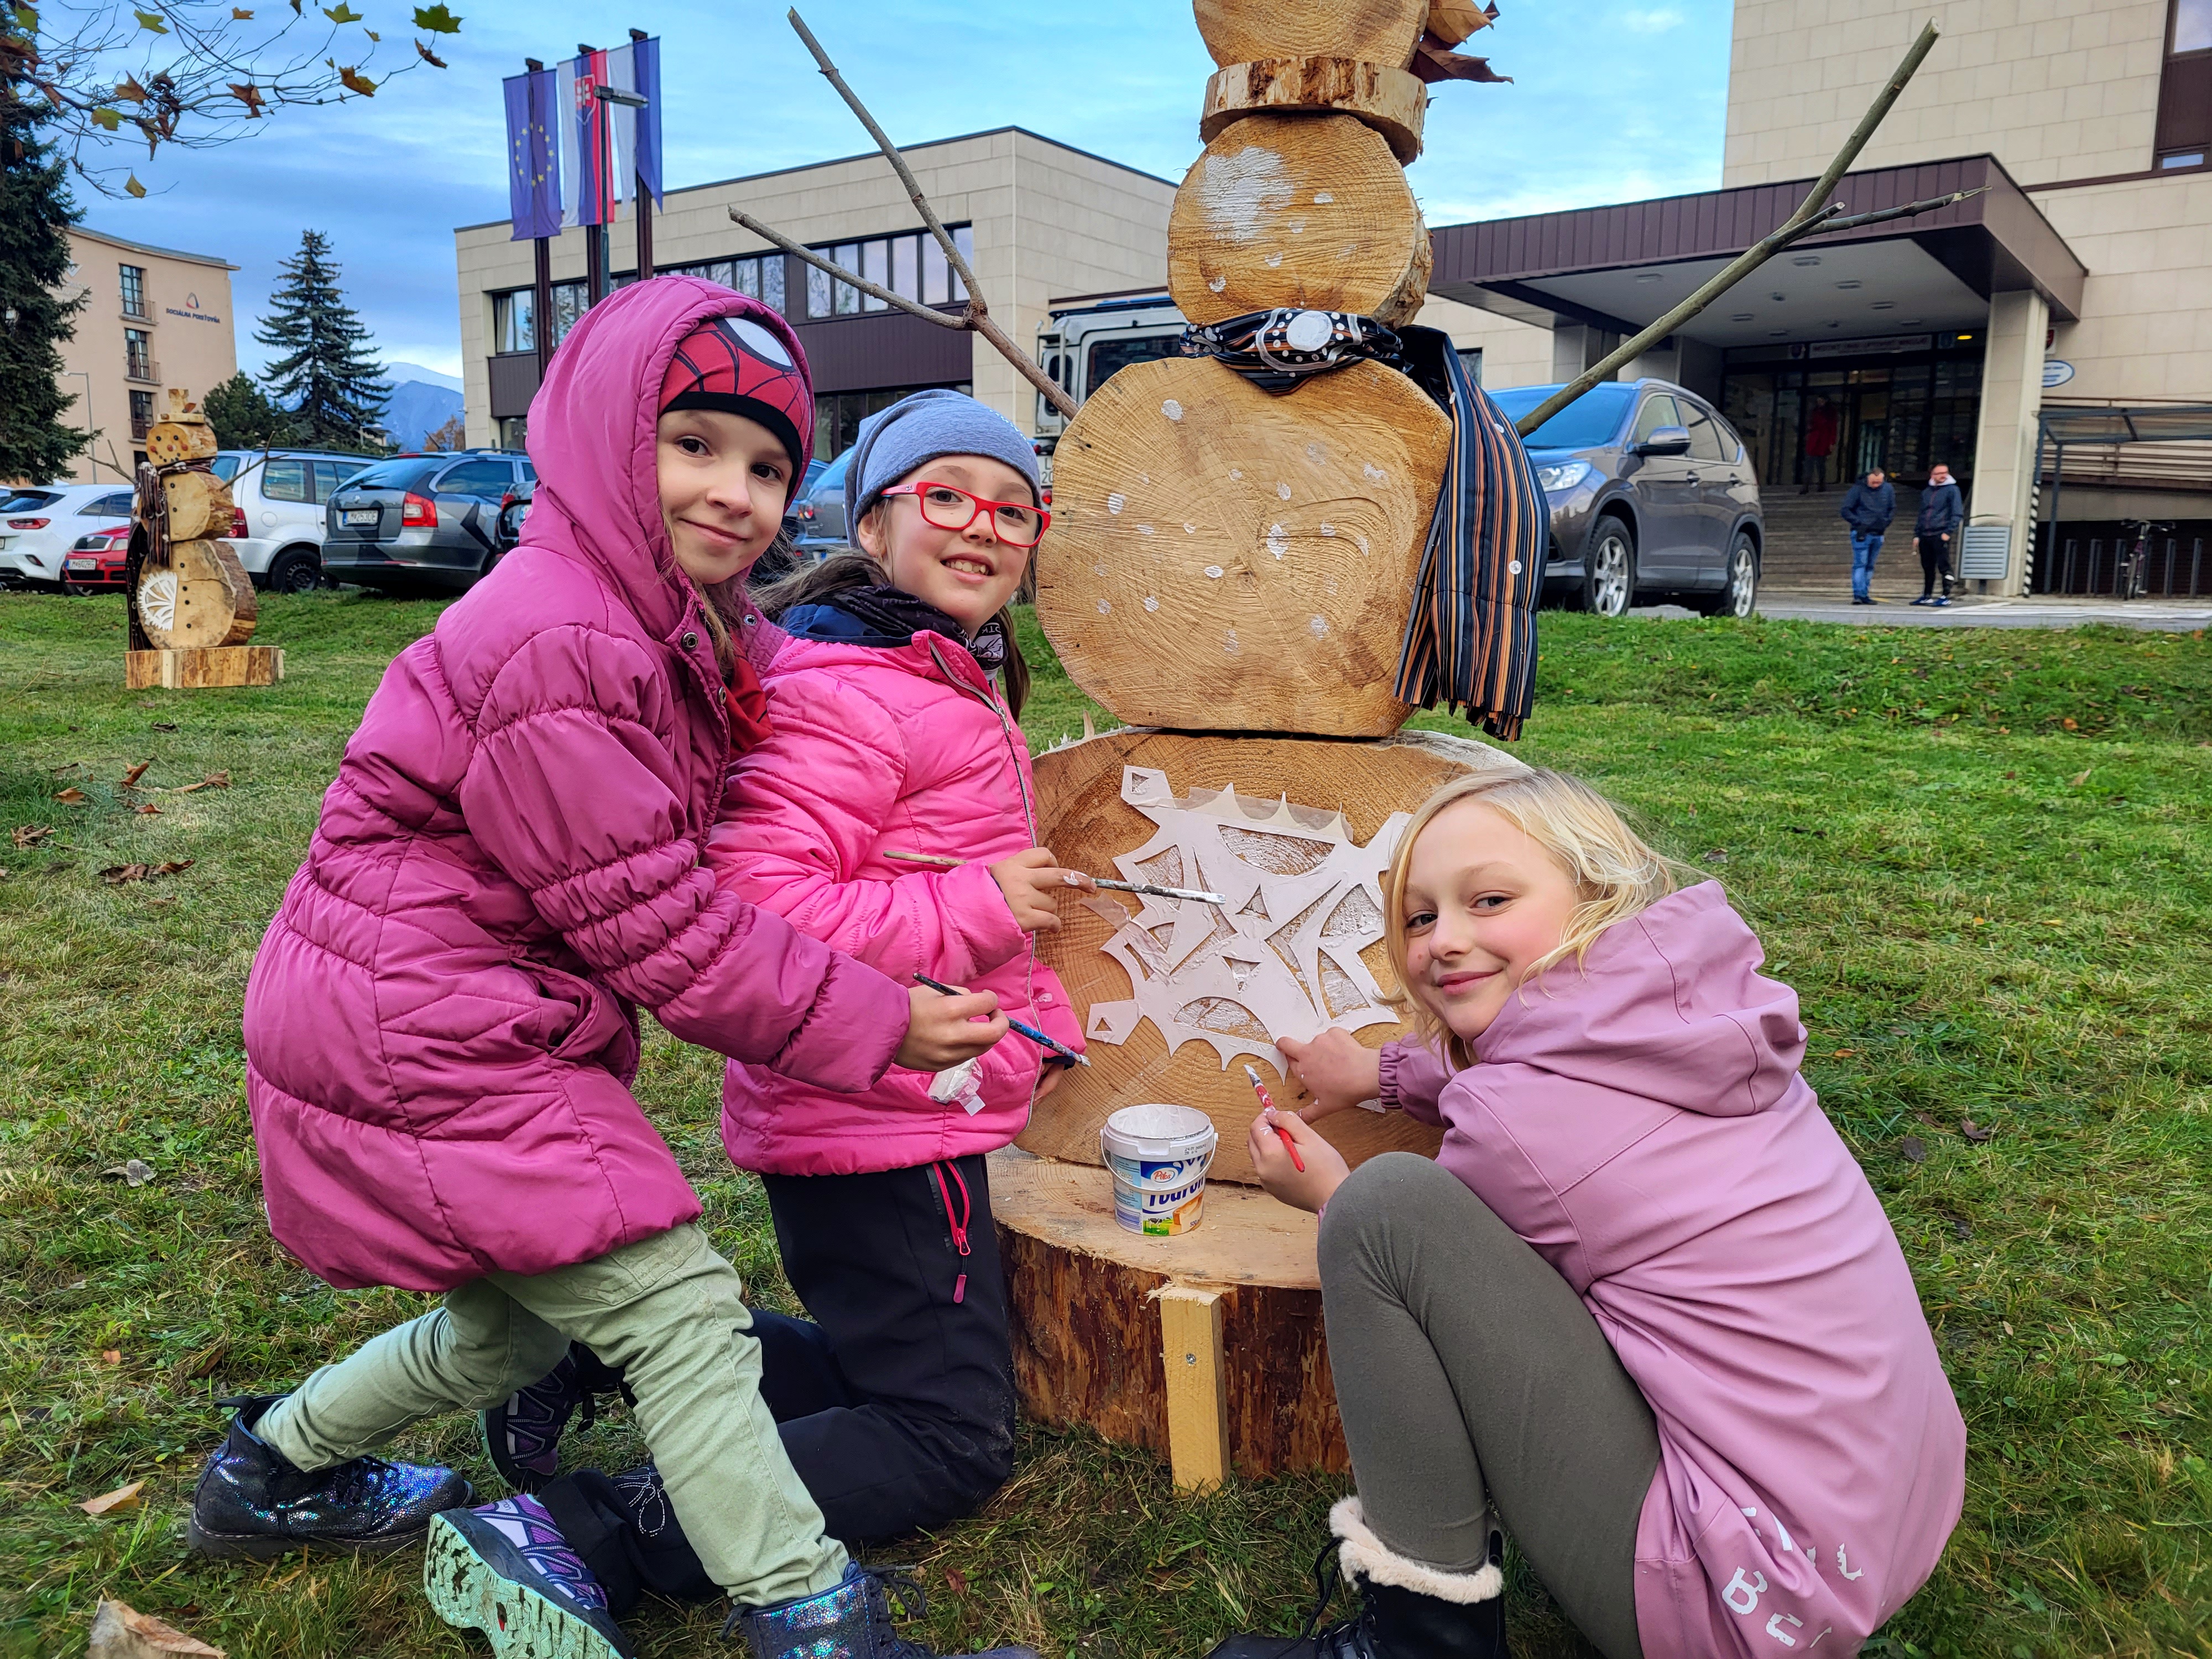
{"x": 596, "y": 189}
{"x": 533, "y": 155}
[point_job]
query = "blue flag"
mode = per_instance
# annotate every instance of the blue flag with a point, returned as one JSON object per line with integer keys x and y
{"x": 533, "y": 155}
{"x": 647, "y": 73}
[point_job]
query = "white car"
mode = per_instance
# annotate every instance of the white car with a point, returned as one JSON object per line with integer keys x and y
{"x": 282, "y": 494}
{"x": 40, "y": 523}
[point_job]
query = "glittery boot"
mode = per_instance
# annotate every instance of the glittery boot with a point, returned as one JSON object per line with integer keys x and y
{"x": 252, "y": 1502}
{"x": 505, "y": 1570}
{"x": 851, "y": 1621}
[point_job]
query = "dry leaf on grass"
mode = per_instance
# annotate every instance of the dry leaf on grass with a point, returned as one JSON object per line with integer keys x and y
{"x": 165, "y": 725}
{"x": 30, "y": 835}
{"x": 74, "y": 796}
{"x": 955, "y": 1581}
{"x": 137, "y": 1172}
{"x": 116, "y": 874}
{"x": 212, "y": 780}
{"x": 130, "y": 778}
{"x": 1974, "y": 1131}
{"x": 147, "y": 808}
{"x": 121, "y": 1498}
{"x": 121, "y": 1632}
{"x": 111, "y": 1356}
{"x": 1912, "y": 1149}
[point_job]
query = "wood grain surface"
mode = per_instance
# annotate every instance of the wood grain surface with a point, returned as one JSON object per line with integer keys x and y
{"x": 1379, "y": 31}
{"x": 1391, "y": 101}
{"x": 202, "y": 597}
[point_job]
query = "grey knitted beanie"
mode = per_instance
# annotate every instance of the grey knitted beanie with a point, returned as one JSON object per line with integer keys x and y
{"x": 924, "y": 428}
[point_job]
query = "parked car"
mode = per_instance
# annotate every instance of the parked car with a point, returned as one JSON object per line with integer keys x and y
{"x": 95, "y": 561}
{"x": 40, "y": 523}
{"x": 422, "y": 521}
{"x": 821, "y": 512}
{"x": 283, "y": 494}
{"x": 1652, "y": 497}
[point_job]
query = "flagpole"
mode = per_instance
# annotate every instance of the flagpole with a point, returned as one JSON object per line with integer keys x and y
{"x": 644, "y": 203}
{"x": 595, "y": 237}
{"x": 541, "y": 293}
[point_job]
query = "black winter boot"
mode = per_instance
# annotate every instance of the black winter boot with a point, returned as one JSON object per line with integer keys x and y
{"x": 1407, "y": 1610}
{"x": 251, "y": 1501}
{"x": 851, "y": 1620}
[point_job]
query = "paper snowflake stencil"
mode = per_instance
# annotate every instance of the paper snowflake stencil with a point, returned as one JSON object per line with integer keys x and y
{"x": 1280, "y": 958}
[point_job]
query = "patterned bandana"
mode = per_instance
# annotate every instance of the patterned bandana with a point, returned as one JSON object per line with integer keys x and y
{"x": 1275, "y": 349}
{"x": 891, "y": 616}
{"x": 734, "y": 365}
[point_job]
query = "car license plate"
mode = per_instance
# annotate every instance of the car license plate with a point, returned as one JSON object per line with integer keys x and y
{"x": 84, "y": 564}
{"x": 366, "y": 515}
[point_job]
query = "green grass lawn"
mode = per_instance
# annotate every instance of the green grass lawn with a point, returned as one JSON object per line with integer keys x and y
{"x": 1981, "y": 856}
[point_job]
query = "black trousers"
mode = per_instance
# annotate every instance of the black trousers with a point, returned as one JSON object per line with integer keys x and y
{"x": 1935, "y": 564}
{"x": 895, "y": 1401}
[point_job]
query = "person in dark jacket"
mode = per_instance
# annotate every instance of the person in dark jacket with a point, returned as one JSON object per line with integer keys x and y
{"x": 1868, "y": 506}
{"x": 1941, "y": 511}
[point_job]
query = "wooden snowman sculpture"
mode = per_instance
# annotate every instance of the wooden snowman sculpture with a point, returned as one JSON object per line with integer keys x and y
{"x": 1226, "y": 559}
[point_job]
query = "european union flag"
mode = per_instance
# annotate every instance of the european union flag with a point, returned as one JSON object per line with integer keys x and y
{"x": 533, "y": 155}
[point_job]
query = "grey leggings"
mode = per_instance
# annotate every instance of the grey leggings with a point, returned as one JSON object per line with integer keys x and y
{"x": 1471, "y": 1377}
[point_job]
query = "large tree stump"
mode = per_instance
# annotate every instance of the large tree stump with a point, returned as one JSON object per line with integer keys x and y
{"x": 202, "y": 597}
{"x": 199, "y": 506}
{"x": 1390, "y": 100}
{"x": 1084, "y": 816}
{"x": 1239, "y": 560}
{"x": 1309, "y": 210}
{"x": 1378, "y": 31}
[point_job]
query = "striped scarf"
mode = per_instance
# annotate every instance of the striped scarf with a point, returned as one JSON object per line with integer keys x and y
{"x": 1471, "y": 639}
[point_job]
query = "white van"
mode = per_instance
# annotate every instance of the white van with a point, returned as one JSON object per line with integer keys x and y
{"x": 39, "y": 523}
{"x": 281, "y": 493}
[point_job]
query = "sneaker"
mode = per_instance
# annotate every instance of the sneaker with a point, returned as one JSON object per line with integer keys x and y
{"x": 522, "y": 1433}
{"x": 1943, "y": 602}
{"x": 1923, "y": 599}
{"x": 1861, "y": 599}
{"x": 505, "y": 1570}
{"x": 252, "y": 1502}
{"x": 851, "y": 1620}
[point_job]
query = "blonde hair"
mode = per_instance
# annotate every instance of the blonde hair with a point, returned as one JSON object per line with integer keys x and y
{"x": 1616, "y": 873}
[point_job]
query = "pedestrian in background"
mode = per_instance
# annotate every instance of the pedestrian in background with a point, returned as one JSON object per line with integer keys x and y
{"x": 1868, "y": 506}
{"x": 1941, "y": 511}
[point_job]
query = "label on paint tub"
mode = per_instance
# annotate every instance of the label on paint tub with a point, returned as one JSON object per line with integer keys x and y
{"x": 1159, "y": 1199}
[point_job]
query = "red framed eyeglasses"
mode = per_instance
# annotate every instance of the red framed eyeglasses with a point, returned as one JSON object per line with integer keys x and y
{"x": 1015, "y": 523}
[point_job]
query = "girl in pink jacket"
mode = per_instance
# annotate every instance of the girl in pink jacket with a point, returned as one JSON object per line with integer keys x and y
{"x": 1642, "y": 1309}
{"x": 441, "y": 1024}
{"x": 891, "y": 705}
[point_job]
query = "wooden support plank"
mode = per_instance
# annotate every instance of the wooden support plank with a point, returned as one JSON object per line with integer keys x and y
{"x": 202, "y": 667}
{"x": 1197, "y": 1386}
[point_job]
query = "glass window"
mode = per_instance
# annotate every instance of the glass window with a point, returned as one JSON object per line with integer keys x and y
{"x": 487, "y": 479}
{"x": 134, "y": 290}
{"x": 329, "y": 475}
{"x": 818, "y": 292}
{"x": 2182, "y": 158}
{"x": 876, "y": 266}
{"x": 1470, "y": 359}
{"x": 1705, "y": 436}
{"x": 511, "y": 321}
{"x": 936, "y": 274}
{"x": 138, "y": 353}
{"x": 1108, "y": 357}
{"x": 964, "y": 238}
{"x": 724, "y": 271}
{"x": 1657, "y": 411}
{"x": 849, "y": 297}
{"x": 1592, "y": 419}
{"x": 771, "y": 293}
{"x": 905, "y": 272}
{"x": 142, "y": 413}
{"x": 285, "y": 480}
{"x": 514, "y": 430}
{"x": 393, "y": 474}
{"x": 115, "y": 506}
{"x": 529, "y": 472}
{"x": 225, "y": 467}
{"x": 568, "y": 304}
{"x": 2192, "y": 25}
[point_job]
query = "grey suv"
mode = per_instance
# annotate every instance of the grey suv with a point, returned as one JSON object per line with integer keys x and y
{"x": 1652, "y": 497}
{"x": 422, "y": 521}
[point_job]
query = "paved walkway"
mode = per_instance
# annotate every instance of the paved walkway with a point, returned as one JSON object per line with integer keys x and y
{"x": 2167, "y": 615}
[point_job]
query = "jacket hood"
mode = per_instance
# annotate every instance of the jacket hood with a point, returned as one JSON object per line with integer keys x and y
{"x": 593, "y": 429}
{"x": 1668, "y": 1005}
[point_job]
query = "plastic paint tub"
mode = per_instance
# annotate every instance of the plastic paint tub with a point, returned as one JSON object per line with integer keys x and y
{"x": 1158, "y": 1156}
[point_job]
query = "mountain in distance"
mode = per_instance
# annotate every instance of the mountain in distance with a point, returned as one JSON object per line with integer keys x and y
{"x": 423, "y": 400}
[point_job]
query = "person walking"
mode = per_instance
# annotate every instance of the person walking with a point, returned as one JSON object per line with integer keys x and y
{"x": 1942, "y": 509}
{"x": 1868, "y": 506}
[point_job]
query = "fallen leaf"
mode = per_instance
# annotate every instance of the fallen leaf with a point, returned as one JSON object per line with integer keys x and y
{"x": 1974, "y": 1131}
{"x": 121, "y": 1498}
{"x": 130, "y": 778}
{"x": 111, "y": 1356}
{"x": 74, "y": 796}
{"x": 1841, "y": 1052}
{"x": 2081, "y": 776}
{"x": 121, "y": 1632}
{"x": 1912, "y": 1149}
{"x": 30, "y": 835}
{"x": 147, "y": 809}
{"x": 2069, "y": 724}
{"x": 175, "y": 867}
{"x": 137, "y": 1172}
{"x": 212, "y": 780}
{"x": 165, "y": 725}
{"x": 116, "y": 874}
{"x": 955, "y": 1581}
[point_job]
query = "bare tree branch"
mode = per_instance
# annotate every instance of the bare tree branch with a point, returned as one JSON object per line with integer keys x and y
{"x": 797, "y": 249}
{"x": 1816, "y": 215}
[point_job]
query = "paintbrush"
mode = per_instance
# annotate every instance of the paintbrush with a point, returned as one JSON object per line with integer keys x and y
{"x": 1028, "y": 1031}
{"x": 1196, "y": 895}
{"x": 1268, "y": 1106}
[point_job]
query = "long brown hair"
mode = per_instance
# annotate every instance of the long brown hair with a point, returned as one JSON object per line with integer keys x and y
{"x": 810, "y": 584}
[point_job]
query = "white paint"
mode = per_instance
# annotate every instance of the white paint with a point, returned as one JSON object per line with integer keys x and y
{"x": 1214, "y": 571}
{"x": 1326, "y": 528}
{"x": 1318, "y": 628}
{"x": 1235, "y": 476}
{"x": 1315, "y": 453}
{"x": 1215, "y": 284}
{"x": 1143, "y": 529}
{"x": 1296, "y": 226}
{"x": 1283, "y": 491}
{"x": 1099, "y": 569}
{"x": 1228, "y": 642}
{"x": 1117, "y": 501}
{"x": 1279, "y": 540}
{"x": 1275, "y": 258}
{"x": 1151, "y": 603}
{"x": 1104, "y": 609}
{"x": 1322, "y": 199}
{"x": 1360, "y": 540}
{"x": 1172, "y": 410}
{"x": 1190, "y": 530}
{"x": 1368, "y": 471}
{"x": 1237, "y": 192}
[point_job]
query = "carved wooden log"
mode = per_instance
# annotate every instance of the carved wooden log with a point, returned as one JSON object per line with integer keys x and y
{"x": 1238, "y": 559}
{"x": 187, "y": 439}
{"x": 1086, "y": 1297}
{"x": 1376, "y": 31}
{"x": 1452, "y": 20}
{"x": 202, "y": 597}
{"x": 1390, "y": 100}
{"x": 199, "y": 504}
{"x": 1308, "y": 918}
{"x": 1296, "y": 210}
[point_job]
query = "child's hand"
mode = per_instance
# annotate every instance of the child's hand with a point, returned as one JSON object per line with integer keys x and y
{"x": 1325, "y": 1168}
{"x": 942, "y": 1030}
{"x": 1335, "y": 1068}
{"x": 1048, "y": 1082}
{"x": 1033, "y": 884}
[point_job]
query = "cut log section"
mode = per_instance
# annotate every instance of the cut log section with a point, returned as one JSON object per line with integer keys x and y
{"x": 199, "y": 506}
{"x": 191, "y": 439}
{"x": 1376, "y": 31}
{"x": 1084, "y": 817}
{"x": 1390, "y": 100}
{"x": 203, "y": 669}
{"x": 1092, "y": 1345}
{"x": 1238, "y": 559}
{"x": 202, "y": 597}
{"x": 1292, "y": 211}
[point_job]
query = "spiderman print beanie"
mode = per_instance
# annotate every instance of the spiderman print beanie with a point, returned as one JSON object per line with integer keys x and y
{"x": 733, "y": 365}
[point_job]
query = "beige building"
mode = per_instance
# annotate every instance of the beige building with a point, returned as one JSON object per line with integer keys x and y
{"x": 155, "y": 319}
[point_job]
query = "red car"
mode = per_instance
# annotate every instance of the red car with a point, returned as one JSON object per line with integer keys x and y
{"x": 94, "y": 564}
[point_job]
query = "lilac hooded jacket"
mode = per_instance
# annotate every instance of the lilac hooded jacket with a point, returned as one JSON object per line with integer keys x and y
{"x": 440, "y": 1026}
{"x": 906, "y": 748}
{"x": 1645, "y": 1128}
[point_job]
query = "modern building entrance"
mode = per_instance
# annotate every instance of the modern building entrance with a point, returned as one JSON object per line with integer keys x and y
{"x": 1816, "y": 414}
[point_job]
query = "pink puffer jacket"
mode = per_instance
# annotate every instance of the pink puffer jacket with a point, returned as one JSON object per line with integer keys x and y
{"x": 909, "y": 749}
{"x": 441, "y": 1026}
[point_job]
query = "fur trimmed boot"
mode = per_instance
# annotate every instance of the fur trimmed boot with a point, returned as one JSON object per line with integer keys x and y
{"x": 1407, "y": 1611}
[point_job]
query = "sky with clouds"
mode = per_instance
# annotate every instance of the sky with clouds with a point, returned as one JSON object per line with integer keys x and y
{"x": 1611, "y": 101}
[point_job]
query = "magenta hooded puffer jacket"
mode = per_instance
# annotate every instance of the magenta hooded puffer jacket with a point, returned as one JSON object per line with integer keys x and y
{"x": 881, "y": 749}
{"x": 441, "y": 1026}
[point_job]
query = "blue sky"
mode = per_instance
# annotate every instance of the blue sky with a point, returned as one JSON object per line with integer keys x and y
{"x": 1611, "y": 101}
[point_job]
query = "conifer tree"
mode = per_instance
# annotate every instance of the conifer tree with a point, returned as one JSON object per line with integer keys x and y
{"x": 36, "y": 209}
{"x": 324, "y": 375}
{"x": 243, "y": 417}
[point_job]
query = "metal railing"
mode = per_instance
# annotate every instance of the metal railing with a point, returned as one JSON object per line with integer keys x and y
{"x": 141, "y": 366}
{"x": 2128, "y": 566}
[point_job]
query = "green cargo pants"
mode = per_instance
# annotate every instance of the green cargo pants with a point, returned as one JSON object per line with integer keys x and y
{"x": 666, "y": 1309}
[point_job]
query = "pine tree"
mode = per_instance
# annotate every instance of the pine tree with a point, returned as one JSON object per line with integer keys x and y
{"x": 35, "y": 213}
{"x": 325, "y": 376}
{"x": 243, "y": 418}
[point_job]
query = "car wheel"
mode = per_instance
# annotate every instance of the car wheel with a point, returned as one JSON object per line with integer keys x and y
{"x": 1739, "y": 596}
{"x": 1609, "y": 570}
{"x": 297, "y": 571}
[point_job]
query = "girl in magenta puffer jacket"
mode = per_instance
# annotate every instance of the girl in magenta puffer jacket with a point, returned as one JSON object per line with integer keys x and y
{"x": 441, "y": 1025}
{"x": 892, "y": 706}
